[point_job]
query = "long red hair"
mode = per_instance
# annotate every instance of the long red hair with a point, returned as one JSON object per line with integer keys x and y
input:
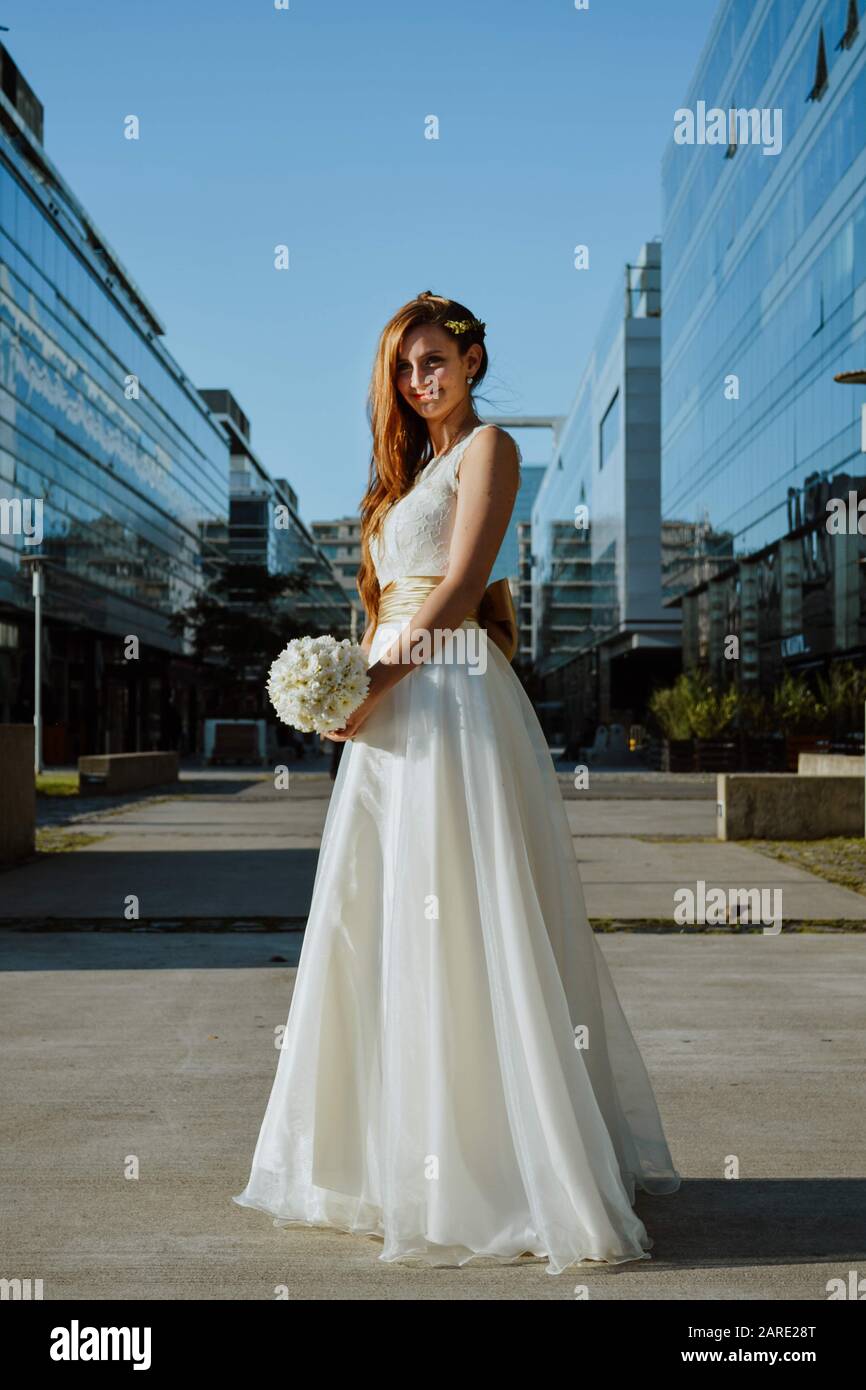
{"x": 401, "y": 443}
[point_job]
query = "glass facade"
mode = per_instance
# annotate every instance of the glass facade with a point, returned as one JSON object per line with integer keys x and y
{"x": 106, "y": 441}
{"x": 97, "y": 420}
{"x": 765, "y": 302}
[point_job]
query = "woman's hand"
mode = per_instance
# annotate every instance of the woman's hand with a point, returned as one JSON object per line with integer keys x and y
{"x": 381, "y": 680}
{"x": 352, "y": 724}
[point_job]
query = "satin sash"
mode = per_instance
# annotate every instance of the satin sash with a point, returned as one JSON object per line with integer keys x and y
{"x": 403, "y": 597}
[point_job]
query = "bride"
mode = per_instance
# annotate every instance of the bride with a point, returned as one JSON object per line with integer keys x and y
{"x": 457, "y": 1076}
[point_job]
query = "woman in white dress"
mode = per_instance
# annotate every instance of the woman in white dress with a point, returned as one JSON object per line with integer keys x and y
{"x": 457, "y": 1076}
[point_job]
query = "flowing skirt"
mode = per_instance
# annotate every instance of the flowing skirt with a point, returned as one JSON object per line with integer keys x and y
{"x": 457, "y": 1075}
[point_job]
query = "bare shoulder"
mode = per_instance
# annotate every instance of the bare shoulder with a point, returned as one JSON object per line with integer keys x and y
{"x": 493, "y": 450}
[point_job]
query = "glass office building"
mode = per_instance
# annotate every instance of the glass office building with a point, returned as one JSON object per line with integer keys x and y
{"x": 99, "y": 426}
{"x": 765, "y": 303}
{"x": 600, "y": 633}
{"x": 140, "y": 484}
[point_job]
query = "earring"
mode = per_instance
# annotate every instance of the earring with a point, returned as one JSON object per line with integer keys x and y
{"x": 469, "y": 380}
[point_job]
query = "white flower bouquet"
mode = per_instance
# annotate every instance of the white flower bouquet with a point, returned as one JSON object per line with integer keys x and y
{"x": 317, "y": 682}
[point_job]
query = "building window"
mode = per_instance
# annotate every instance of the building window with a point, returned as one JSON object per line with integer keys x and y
{"x": 852, "y": 27}
{"x": 819, "y": 86}
{"x": 732, "y": 132}
{"x": 609, "y": 431}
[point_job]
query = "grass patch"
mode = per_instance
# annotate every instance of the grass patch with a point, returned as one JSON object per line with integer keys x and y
{"x": 665, "y": 926}
{"x": 57, "y": 783}
{"x": 677, "y": 839}
{"x": 840, "y": 859}
{"x": 52, "y": 839}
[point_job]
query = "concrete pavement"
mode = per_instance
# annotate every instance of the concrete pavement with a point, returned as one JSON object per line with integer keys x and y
{"x": 232, "y": 849}
{"x": 158, "y": 1045}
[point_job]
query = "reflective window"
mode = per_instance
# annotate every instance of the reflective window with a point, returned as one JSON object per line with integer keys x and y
{"x": 610, "y": 430}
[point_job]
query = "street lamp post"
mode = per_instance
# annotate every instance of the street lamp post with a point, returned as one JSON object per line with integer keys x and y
{"x": 35, "y": 563}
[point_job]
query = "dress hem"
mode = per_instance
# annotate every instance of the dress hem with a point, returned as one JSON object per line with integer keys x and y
{"x": 422, "y": 1255}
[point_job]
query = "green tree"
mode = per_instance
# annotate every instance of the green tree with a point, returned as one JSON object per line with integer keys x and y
{"x": 237, "y": 625}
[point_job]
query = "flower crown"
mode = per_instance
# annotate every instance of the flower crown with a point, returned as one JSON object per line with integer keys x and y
{"x": 463, "y": 325}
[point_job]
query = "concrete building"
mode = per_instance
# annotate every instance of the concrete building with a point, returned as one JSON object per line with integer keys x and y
{"x": 340, "y": 540}
{"x": 601, "y": 636}
{"x": 265, "y": 528}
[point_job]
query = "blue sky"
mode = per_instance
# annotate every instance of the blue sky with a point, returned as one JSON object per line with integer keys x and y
{"x": 306, "y": 127}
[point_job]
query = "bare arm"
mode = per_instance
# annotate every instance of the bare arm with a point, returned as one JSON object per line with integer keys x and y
{"x": 367, "y": 640}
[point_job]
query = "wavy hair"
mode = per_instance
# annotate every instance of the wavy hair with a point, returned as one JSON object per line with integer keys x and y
{"x": 401, "y": 444}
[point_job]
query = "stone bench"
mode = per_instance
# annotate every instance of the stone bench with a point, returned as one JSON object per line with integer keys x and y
{"x": 787, "y": 806}
{"x": 18, "y": 801}
{"x": 110, "y": 773}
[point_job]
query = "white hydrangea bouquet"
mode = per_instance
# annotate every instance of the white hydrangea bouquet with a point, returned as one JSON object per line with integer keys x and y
{"x": 317, "y": 682}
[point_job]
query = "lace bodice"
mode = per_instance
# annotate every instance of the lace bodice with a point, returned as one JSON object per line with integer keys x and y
{"x": 415, "y": 537}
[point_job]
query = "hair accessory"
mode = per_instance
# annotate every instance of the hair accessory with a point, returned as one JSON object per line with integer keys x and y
{"x": 462, "y": 325}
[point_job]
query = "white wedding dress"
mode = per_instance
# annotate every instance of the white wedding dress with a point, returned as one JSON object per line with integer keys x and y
{"x": 430, "y": 1089}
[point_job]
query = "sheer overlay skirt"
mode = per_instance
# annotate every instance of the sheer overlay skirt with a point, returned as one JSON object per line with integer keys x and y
{"x": 457, "y": 1075}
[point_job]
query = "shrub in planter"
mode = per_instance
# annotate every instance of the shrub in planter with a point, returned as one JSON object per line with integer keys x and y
{"x": 693, "y": 708}
{"x": 797, "y": 708}
{"x": 670, "y": 709}
{"x": 842, "y": 694}
{"x": 694, "y": 716}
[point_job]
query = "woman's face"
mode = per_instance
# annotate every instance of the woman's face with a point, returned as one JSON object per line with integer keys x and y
{"x": 431, "y": 374}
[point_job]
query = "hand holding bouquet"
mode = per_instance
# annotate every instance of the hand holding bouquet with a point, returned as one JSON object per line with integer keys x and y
{"x": 316, "y": 683}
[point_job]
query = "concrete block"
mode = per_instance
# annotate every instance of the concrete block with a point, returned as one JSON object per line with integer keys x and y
{"x": 786, "y": 806}
{"x": 124, "y": 772}
{"x": 830, "y": 765}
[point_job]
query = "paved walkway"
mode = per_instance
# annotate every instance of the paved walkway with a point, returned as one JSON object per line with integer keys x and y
{"x": 230, "y": 847}
{"x": 162, "y": 1047}
{"x": 160, "y": 1044}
